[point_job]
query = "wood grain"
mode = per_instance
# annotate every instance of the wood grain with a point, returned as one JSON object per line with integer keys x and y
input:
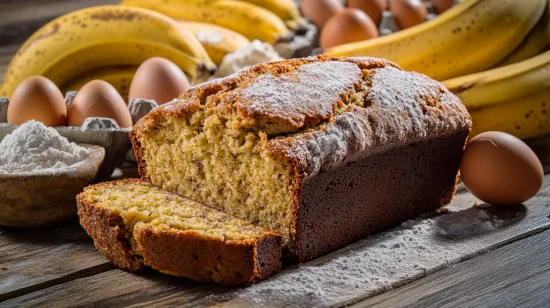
{"x": 516, "y": 275}
{"x": 117, "y": 288}
{"x": 35, "y": 259}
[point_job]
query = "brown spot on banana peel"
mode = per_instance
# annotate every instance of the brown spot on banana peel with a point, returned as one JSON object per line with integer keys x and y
{"x": 467, "y": 86}
{"x": 109, "y": 16}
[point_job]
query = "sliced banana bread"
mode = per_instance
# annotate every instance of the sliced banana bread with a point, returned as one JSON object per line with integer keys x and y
{"x": 135, "y": 224}
{"x": 325, "y": 150}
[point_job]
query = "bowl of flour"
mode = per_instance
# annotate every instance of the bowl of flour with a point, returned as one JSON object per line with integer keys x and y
{"x": 41, "y": 173}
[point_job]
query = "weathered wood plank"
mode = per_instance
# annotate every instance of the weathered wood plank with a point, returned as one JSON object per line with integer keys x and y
{"x": 516, "y": 275}
{"x": 155, "y": 290}
{"x": 117, "y": 288}
{"x": 34, "y": 259}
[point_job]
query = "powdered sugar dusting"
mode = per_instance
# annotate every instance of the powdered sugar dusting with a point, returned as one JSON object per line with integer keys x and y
{"x": 374, "y": 264}
{"x": 296, "y": 97}
{"x": 34, "y": 147}
{"x": 397, "y": 115}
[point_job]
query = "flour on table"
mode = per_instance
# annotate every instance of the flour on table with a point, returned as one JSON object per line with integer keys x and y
{"x": 34, "y": 147}
{"x": 374, "y": 264}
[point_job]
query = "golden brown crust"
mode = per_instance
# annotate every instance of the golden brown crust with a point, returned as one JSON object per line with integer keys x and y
{"x": 183, "y": 253}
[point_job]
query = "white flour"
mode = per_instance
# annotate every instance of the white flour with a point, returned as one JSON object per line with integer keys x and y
{"x": 376, "y": 263}
{"x": 34, "y": 147}
{"x": 247, "y": 56}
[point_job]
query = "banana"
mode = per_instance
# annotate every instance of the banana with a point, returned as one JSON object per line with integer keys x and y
{"x": 218, "y": 41}
{"x": 536, "y": 42}
{"x": 119, "y": 77}
{"x": 104, "y": 36}
{"x": 513, "y": 98}
{"x": 471, "y": 37}
{"x": 285, "y": 9}
{"x": 525, "y": 117}
{"x": 503, "y": 83}
{"x": 247, "y": 19}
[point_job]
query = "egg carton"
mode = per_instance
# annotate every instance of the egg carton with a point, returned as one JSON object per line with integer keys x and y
{"x": 103, "y": 132}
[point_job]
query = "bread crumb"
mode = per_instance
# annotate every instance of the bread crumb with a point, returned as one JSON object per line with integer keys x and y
{"x": 3, "y": 268}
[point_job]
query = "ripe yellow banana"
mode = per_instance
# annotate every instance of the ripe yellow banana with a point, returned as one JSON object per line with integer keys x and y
{"x": 524, "y": 117}
{"x": 536, "y": 42}
{"x": 119, "y": 77}
{"x": 471, "y": 37}
{"x": 103, "y": 36}
{"x": 285, "y": 9}
{"x": 247, "y": 19}
{"x": 503, "y": 83}
{"x": 513, "y": 98}
{"x": 218, "y": 41}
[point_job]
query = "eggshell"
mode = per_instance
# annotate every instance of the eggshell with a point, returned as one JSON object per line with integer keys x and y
{"x": 441, "y": 6}
{"x": 350, "y": 25}
{"x": 408, "y": 13}
{"x": 37, "y": 98}
{"x": 373, "y": 8}
{"x": 320, "y": 11}
{"x": 158, "y": 79}
{"x": 98, "y": 98}
{"x": 500, "y": 169}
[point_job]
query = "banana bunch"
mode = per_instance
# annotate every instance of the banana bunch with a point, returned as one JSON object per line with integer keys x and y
{"x": 473, "y": 36}
{"x": 255, "y": 19}
{"x": 514, "y": 98}
{"x": 536, "y": 42}
{"x": 218, "y": 41}
{"x": 77, "y": 44}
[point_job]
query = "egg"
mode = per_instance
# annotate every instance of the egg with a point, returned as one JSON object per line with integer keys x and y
{"x": 37, "y": 98}
{"x": 98, "y": 98}
{"x": 500, "y": 169}
{"x": 408, "y": 13}
{"x": 373, "y": 8}
{"x": 158, "y": 79}
{"x": 441, "y": 6}
{"x": 350, "y": 25}
{"x": 320, "y": 11}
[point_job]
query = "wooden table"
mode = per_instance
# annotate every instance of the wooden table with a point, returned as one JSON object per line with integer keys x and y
{"x": 56, "y": 267}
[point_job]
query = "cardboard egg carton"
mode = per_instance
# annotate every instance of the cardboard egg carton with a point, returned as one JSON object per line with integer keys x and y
{"x": 103, "y": 132}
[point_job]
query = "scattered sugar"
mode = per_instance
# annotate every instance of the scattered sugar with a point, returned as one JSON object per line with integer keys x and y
{"x": 376, "y": 263}
{"x": 34, "y": 147}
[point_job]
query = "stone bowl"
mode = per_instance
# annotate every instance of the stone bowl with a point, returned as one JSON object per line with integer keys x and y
{"x": 45, "y": 198}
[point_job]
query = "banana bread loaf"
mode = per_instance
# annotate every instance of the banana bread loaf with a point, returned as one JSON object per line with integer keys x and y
{"x": 135, "y": 224}
{"x": 325, "y": 150}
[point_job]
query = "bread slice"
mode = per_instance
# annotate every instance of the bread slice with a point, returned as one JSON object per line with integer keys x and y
{"x": 135, "y": 224}
{"x": 325, "y": 150}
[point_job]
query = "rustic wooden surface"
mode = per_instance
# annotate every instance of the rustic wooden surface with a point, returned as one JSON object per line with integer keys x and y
{"x": 58, "y": 267}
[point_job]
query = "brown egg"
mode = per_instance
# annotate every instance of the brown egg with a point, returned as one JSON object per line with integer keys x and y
{"x": 350, "y": 25}
{"x": 408, "y": 13}
{"x": 441, "y": 6}
{"x": 320, "y": 11}
{"x": 37, "y": 98}
{"x": 98, "y": 98}
{"x": 500, "y": 169}
{"x": 373, "y": 8}
{"x": 158, "y": 79}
